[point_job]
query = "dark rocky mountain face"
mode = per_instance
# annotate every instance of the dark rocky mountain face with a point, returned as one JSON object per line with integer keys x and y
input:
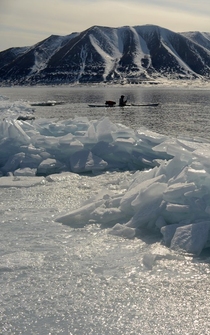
{"x": 104, "y": 54}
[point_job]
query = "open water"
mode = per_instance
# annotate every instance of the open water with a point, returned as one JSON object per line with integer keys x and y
{"x": 182, "y": 111}
{"x": 57, "y": 280}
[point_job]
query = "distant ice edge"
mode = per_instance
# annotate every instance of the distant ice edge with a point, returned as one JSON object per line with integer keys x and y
{"x": 169, "y": 192}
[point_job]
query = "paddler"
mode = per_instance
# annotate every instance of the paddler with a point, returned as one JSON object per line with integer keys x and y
{"x": 122, "y": 102}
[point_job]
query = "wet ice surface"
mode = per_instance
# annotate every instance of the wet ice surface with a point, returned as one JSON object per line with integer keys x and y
{"x": 60, "y": 280}
{"x": 55, "y": 279}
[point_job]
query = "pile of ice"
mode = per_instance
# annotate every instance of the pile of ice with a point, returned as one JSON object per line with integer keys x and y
{"x": 43, "y": 147}
{"x": 169, "y": 192}
{"x": 15, "y": 109}
{"x": 172, "y": 198}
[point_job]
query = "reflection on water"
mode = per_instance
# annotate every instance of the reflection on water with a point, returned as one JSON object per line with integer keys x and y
{"x": 128, "y": 117}
{"x": 181, "y": 112}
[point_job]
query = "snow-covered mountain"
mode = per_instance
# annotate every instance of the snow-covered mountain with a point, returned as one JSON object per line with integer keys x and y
{"x": 104, "y": 54}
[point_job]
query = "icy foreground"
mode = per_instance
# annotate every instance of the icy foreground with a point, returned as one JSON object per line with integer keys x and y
{"x": 170, "y": 188}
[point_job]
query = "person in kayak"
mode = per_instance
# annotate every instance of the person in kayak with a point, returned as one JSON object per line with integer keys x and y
{"x": 122, "y": 102}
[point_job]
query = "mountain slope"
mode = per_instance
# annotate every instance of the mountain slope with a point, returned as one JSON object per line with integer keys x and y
{"x": 108, "y": 54}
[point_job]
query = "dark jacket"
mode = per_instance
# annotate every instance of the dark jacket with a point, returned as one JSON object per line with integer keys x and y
{"x": 122, "y": 102}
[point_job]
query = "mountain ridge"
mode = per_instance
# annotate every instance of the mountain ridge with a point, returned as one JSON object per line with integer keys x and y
{"x": 105, "y": 54}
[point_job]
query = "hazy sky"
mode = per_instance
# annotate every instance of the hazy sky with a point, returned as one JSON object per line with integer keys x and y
{"x": 26, "y": 22}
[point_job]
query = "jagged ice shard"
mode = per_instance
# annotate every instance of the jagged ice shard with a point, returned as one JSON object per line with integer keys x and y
{"x": 169, "y": 188}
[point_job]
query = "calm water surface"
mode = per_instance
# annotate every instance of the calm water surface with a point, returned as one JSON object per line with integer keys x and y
{"x": 181, "y": 111}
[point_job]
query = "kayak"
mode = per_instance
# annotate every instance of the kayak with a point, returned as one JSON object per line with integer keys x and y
{"x": 102, "y": 106}
{"x": 145, "y": 105}
{"x": 130, "y": 105}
